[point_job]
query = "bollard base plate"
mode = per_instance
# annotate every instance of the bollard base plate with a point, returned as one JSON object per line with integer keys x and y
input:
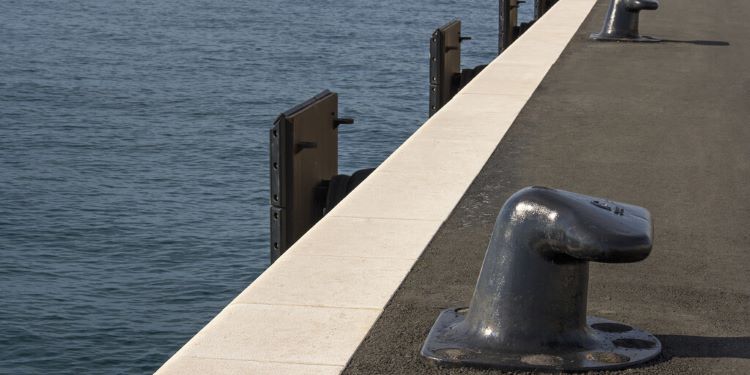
{"x": 617, "y": 346}
{"x": 638, "y": 39}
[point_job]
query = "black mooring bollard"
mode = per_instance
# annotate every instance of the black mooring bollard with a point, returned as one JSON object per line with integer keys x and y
{"x": 621, "y": 21}
{"x": 529, "y": 306}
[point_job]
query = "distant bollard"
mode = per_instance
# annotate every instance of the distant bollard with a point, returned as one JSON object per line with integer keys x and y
{"x": 529, "y": 306}
{"x": 621, "y": 21}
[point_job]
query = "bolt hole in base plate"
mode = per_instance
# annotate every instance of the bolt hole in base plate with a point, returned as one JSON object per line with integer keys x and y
{"x": 617, "y": 346}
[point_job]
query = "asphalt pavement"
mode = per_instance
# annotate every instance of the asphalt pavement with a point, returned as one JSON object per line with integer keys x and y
{"x": 665, "y": 126}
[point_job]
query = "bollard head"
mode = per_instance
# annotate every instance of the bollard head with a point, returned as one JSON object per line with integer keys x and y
{"x": 588, "y": 228}
{"x": 529, "y": 306}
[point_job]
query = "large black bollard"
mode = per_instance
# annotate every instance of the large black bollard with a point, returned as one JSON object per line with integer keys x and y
{"x": 529, "y": 305}
{"x": 621, "y": 21}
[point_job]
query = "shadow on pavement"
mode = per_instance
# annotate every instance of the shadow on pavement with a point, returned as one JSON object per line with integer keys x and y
{"x": 698, "y": 42}
{"x": 705, "y": 347}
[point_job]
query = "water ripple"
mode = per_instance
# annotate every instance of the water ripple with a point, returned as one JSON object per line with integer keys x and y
{"x": 133, "y": 154}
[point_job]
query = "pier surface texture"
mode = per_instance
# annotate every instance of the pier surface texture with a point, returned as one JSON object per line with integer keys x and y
{"x": 662, "y": 125}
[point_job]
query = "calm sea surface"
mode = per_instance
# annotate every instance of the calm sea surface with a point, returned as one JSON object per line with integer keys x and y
{"x": 133, "y": 154}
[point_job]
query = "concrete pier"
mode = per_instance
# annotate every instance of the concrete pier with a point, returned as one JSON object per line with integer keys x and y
{"x": 665, "y": 126}
{"x": 662, "y": 125}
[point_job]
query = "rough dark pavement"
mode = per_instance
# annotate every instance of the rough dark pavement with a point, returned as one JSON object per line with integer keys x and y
{"x": 665, "y": 126}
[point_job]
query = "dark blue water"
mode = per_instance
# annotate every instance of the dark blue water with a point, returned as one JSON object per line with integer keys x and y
{"x": 133, "y": 154}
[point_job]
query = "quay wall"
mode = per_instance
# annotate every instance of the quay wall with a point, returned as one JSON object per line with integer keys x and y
{"x": 310, "y": 310}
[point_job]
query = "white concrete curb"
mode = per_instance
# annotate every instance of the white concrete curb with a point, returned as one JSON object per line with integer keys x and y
{"x": 310, "y": 310}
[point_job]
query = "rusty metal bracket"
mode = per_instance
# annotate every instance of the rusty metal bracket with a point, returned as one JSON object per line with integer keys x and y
{"x": 521, "y": 28}
{"x": 446, "y": 76}
{"x": 445, "y": 63}
{"x": 507, "y": 22}
{"x": 303, "y": 152}
{"x": 305, "y": 183}
{"x": 529, "y": 306}
{"x": 542, "y": 6}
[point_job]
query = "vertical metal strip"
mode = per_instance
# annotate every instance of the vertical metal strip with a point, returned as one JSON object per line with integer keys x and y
{"x": 437, "y": 55}
{"x": 277, "y": 199}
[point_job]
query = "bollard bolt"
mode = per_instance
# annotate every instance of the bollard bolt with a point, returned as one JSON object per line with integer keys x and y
{"x": 528, "y": 310}
{"x": 621, "y": 21}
